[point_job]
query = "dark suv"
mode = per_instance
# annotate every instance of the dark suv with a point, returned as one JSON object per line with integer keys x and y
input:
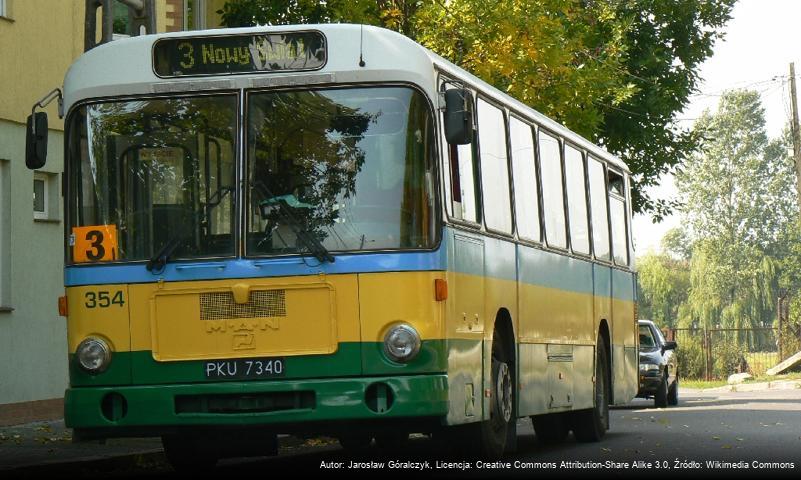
{"x": 659, "y": 377}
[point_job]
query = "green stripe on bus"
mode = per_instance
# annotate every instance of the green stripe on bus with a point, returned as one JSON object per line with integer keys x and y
{"x": 158, "y": 406}
{"x": 351, "y": 359}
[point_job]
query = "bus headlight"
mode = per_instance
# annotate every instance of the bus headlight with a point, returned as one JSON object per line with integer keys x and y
{"x": 402, "y": 343}
{"x": 94, "y": 355}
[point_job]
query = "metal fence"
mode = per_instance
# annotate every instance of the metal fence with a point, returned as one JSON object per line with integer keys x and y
{"x": 714, "y": 354}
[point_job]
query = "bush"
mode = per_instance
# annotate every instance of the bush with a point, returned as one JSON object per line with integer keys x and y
{"x": 690, "y": 359}
{"x": 727, "y": 358}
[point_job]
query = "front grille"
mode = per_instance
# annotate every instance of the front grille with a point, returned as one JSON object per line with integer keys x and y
{"x": 261, "y": 304}
{"x": 244, "y": 403}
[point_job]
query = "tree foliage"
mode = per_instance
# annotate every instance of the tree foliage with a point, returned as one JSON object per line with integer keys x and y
{"x": 740, "y": 206}
{"x": 615, "y": 72}
{"x": 664, "y": 284}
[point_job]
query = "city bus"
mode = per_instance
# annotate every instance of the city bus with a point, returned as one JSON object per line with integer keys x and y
{"x": 331, "y": 230}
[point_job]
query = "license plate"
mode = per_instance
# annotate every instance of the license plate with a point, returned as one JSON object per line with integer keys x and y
{"x": 247, "y": 368}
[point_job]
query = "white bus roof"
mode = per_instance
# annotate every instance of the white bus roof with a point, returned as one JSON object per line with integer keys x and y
{"x": 125, "y": 68}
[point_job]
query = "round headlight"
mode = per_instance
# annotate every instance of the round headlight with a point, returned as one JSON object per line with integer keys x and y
{"x": 402, "y": 343}
{"x": 94, "y": 355}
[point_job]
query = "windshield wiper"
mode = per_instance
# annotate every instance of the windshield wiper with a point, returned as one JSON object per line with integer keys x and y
{"x": 308, "y": 239}
{"x": 159, "y": 260}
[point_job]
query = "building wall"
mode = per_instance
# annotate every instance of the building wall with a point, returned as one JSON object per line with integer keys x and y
{"x": 39, "y": 39}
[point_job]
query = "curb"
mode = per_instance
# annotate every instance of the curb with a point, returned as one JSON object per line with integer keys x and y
{"x": 756, "y": 387}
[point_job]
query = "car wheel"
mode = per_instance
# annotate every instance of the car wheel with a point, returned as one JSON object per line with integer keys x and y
{"x": 551, "y": 428}
{"x": 673, "y": 393}
{"x": 661, "y": 396}
{"x": 591, "y": 425}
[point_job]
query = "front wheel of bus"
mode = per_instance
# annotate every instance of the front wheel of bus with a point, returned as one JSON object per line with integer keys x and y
{"x": 591, "y": 425}
{"x": 186, "y": 454}
{"x": 494, "y": 431}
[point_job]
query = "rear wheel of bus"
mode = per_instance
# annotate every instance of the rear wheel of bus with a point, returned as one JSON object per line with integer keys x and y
{"x": 591, "y": 425}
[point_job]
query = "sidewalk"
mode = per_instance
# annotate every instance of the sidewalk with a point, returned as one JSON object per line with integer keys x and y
{"x": 43, "y": 445}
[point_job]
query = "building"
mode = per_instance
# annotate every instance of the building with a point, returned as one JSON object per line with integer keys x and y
{"x": 39, "y": 39}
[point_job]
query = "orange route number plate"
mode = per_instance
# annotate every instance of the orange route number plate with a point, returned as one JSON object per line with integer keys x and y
{"x": 94, "y": 243}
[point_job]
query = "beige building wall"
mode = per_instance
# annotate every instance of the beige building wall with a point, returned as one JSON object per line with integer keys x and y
{"x": 39, "y": 39}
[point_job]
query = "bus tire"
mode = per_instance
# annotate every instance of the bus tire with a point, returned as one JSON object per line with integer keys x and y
{"x": 355, "y": 442}
{"x": 591, "y": 425}
{"x": 391, "y": 441}
{"x": 551, "y": 428}
{"x": 494, "y": 432}
{"x": 186, "y": 454}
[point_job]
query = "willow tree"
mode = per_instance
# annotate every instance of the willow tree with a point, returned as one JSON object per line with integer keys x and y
{"x": 739, "y": 202}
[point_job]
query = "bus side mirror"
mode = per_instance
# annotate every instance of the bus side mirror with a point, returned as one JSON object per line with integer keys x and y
{"x": 36, "y": 141}
{"x": 458, "y": 116}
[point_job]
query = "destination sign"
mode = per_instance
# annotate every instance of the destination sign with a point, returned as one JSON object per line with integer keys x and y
{"x": 274, "y": 52}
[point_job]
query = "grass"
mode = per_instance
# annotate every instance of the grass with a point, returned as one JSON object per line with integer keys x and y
{"x": 701, "y": 384}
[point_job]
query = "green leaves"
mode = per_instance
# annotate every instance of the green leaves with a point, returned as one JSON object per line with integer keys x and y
{"x": 614, "y": 72}
{"x": 740, "y": 206}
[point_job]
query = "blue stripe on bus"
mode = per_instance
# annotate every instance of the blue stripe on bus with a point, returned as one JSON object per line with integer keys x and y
{"x": 254, "y": 268}
{"x": 534, "y": 266}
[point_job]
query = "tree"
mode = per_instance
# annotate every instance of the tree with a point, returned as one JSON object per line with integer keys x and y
{"x": 664, "y": 284}
{"x": 739, "y": 202}
{"x": 666, "y": 43}
{"x": 614, "y": 72}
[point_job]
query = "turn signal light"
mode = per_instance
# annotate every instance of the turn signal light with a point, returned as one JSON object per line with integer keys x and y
{"x": 440, "y": 289}
{"x": 62, "y": 306}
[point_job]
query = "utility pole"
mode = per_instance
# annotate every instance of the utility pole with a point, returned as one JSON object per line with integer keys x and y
{"x": 796, "y": 134}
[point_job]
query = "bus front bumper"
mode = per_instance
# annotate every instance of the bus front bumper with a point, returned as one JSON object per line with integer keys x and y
{"x": 152, "y": 408}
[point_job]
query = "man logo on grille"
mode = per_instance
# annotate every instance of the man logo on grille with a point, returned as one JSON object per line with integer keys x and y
{"x": 244, "y": 341}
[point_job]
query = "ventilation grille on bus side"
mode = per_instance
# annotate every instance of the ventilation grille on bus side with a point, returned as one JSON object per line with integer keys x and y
{"x": 261, "y": 304}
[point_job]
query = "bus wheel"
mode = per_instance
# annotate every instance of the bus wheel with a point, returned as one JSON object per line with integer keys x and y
{"x": 185, "y": 454}
{"x": 551, "y": 428}
{"x": 392, "y": 441}
{"x": 591, "y": 425}
{"x": 355, "y": 442}
{"x": 495, "y": 430}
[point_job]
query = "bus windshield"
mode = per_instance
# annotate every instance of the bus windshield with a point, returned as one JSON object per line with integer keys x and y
{"x": 348, "y": 169}
{"x": 147, "y": 173}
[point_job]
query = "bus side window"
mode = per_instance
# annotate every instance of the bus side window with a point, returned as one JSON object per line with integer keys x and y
{"x": 552, "y": 191}
{"x": 600, "y": 214}
{"x": 494, "y": 167}
{"x": 464, "y": 182}
{"x": 617, "y": 215}
{"x": 524, "y": 172}
{"x": 576, "y": 200}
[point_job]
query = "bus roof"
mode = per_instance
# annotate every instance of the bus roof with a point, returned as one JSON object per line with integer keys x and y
{"x": 125, "y": 68}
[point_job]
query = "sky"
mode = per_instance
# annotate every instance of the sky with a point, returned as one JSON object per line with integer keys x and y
{"x": 762, "y": 38}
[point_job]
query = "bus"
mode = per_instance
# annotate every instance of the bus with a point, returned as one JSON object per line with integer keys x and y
{"x": 329, "y": 229}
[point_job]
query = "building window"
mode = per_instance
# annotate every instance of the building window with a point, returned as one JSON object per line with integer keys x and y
{"x": 45, "y": 199}
{"x": 4, "y": 8}
{"x": 5, "y": 237}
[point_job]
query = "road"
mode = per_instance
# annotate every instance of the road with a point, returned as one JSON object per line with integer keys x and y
{"x": 747, "y": 433}
{"x": 737, "y": 429}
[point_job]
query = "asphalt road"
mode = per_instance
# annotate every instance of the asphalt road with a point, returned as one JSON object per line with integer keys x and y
{"x": 746, "y": 433}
